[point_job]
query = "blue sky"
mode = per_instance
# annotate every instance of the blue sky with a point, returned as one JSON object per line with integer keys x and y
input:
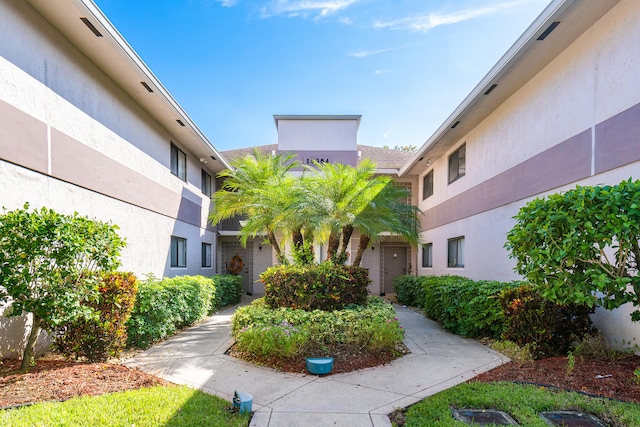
{"x": 405, "y": 65}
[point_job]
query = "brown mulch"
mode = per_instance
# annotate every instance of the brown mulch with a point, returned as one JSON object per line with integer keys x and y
{"x": 54, "y": 378}
{"x": 612, "y": 378}
{"x": 345, "y": 359}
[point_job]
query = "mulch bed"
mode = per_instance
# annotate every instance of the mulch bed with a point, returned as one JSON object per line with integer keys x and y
{"x": 54, "y": 378}
{"x": 612, "y": 378}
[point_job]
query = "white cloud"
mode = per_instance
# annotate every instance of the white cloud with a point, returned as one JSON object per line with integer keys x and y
{"x": 227, "y": 3}
{"x": 379, "y": 72}
{"x": 365, "y": 53}
{"x": 304, "y": 8}
{"x": 424, "y": 23}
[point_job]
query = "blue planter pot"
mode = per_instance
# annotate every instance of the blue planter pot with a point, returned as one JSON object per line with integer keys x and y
{"x": 319, "y": 365}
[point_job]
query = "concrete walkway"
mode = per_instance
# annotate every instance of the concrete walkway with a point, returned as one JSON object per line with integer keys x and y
{"x": 438, "y": 360}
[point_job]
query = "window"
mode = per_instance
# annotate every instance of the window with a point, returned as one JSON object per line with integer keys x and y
{"x": 178, "y": 163}
{"x": 455, "y": 254}
{"x": 206, "y": 254}
{"x": 457, "y": 163}
{"x": 206, "y": 183}
{"x": 427, "y": 185}
{"x": 427, "y": 255}
{"x": 178, "y": 252}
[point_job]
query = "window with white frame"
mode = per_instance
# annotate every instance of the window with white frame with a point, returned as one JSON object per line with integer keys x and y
{"x": 178, "y": 163}
{"x": 457, "y": 163}
{"x": 427, "y": 255}
{"x": 178, "y": 252}
{"x": 455, "y": 252}
{"x": 206, "y": 183}
{"x": 206, "y": 254}
{"x": 427, "y": 185}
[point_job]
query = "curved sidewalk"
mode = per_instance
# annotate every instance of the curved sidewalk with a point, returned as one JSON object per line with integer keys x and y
{"x": 438, "y": 360}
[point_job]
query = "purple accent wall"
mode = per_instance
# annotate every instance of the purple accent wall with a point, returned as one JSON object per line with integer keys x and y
{"x": 618, "y": 140}
{"x": 78, "y": 164}
{"x": 23, "y": 138}
{"x": 617, "y": 143}
{"x": 564, "y": 163}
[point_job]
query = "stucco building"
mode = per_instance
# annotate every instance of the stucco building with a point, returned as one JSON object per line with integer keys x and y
{"x": 560, "y": 109}
{"x": 85, "y": 126}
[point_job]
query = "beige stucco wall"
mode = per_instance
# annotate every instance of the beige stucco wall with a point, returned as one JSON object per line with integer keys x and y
{"x": 595, "y": 79}
{"x": 73, "y": 141}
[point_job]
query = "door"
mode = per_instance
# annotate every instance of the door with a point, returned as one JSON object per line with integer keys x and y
{"x": 237, "y": 260}
{"x": 395, "y": 265}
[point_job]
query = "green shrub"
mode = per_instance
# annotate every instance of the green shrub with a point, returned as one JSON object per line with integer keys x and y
{"x": 409, "y": 290}
{"x": 164, "y": 306}
{"x": 325, "y": 286}
{"x": 371, "y": 327}
{"x": 281, "y": 340}
{"x": 104, "y": 335}
{"x": 228, "y": 290}
{"x": 551, "y": 328}
{"x": 465, "y": 307}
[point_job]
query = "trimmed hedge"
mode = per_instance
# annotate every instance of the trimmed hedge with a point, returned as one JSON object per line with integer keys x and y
{"x": 461, "y": 305}
{"x": 167, "y": 305}
{"x": 514, "y": 311}
{"x": 551, "y": 328}
{"x": 103, "y": 336}
{"x": 326, "y": 286}
{"x": 409, "y": 290}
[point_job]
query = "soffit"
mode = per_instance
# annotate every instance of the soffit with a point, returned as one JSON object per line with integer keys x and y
{"x": 117, "y": 59}
{"x": 527, "y": 57}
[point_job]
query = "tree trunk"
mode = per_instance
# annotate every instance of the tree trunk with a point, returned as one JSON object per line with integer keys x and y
{"x": 364, "y": 244}
{"x": 27, "y": 355}
{"x": 298, "y": 239}
{"x": 347, "y": 231}
{"x": 274, "y": 244}
{"x": 332, "y": 246}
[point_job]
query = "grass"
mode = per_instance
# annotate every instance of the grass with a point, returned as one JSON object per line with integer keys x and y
{"x": 174, "y": 406}
{"x": 523, "y": 402}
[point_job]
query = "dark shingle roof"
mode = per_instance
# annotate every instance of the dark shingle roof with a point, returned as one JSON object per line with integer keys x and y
{"x": 384, "y": 158}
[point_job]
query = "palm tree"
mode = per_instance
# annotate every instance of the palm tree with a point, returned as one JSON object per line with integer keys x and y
{"x": 387, "y": 211}
{"x": 328, "y": 205}
{"x": 257, "y": 188}
{"x": 346, "y": 198}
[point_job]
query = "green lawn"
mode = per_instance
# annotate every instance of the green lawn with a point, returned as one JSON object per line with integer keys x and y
{"x": 156, "y": 406}
{"x": 522, "y": 402}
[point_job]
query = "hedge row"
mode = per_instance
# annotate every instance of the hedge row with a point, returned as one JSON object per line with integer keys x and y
{"x": 501, "y": 310}
{"x": 163, "y": 306}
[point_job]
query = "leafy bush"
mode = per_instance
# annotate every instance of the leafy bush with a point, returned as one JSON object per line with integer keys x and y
{"x": 551, "y": 328}
{"x": 326, "y": 286}
{"x": 267, "y": 331}
{"x": 582, "y": 246}
{"x": 463, "y": 306}
{"x": 49, "y": 264}
{"x": 409, "y": 290}
{"x": 103, "y": 335}
{"x": 281, "y": 340}
{"x": 167, "y": 305}
{"x": 228, "y": 290}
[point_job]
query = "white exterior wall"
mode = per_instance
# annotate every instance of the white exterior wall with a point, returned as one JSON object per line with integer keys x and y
{"x": 72, "y": 120}
{"x": 330, "y": 135}
{"x": 594, "y": 79}
{"x": 46, "y": 78}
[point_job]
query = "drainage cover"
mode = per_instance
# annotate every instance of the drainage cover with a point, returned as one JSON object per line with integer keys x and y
{"x": 571, "y": 419}
{"x": 483, "y": 417}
